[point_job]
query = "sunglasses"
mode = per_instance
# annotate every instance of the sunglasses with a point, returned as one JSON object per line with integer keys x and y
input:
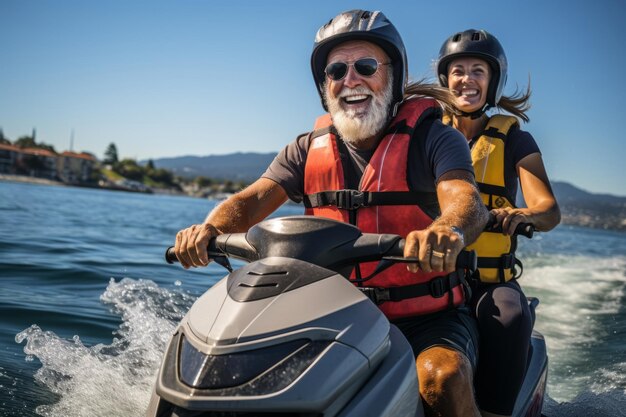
{"x": 366, "y": 67}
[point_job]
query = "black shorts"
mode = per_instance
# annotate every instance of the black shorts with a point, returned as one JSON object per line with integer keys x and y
{"x": 452, "y": 328}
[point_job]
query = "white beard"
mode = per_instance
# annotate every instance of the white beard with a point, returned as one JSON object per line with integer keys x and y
{"x": 356, "y": 127}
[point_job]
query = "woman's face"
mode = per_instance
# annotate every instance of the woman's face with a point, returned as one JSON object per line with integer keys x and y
{"x": 468, "y": 80}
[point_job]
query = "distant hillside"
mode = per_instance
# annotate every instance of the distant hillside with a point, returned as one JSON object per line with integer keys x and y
{"x": 236, "y": 167}
{"x": 578, "y": 207}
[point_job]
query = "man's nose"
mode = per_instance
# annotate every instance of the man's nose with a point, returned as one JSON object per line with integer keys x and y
{"x": 353, "y": 78}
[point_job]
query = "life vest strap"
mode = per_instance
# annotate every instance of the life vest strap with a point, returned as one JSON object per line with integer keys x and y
{"x": 495, "y": 190}
{"x": 436, "y": 287}
{"x": 501, "y": 263}
{"x": 506, "y": 261}
{"x": 494, "y": 132}
{"x": 355, "y": 199}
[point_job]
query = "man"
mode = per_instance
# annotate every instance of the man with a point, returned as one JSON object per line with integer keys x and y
{"x": 378, "y": 161}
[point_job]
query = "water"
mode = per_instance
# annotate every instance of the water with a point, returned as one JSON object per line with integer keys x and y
{"x": 87, "y": 303}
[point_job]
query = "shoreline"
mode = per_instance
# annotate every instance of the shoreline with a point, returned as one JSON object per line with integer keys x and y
{"x": 31, "y": 180}
{"x": 25, "y": 179}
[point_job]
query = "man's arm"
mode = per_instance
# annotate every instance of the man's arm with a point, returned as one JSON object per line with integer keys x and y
{"x": 236, "y": 214}
{"x": 463, "y": 218}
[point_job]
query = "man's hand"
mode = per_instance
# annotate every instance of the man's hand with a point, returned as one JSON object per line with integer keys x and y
{"x": 191, "y": 244}
{"x": 437, "y": 248}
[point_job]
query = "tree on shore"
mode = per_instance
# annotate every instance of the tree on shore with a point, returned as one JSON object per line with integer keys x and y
{"x": 130, "y": 169}
{"x": 3, "y": 139}
{"x": 30, "y": 142}
{"x": 203, "y": 182}
{"x": 25, "y": 142}
{"x": 110, "y": 154}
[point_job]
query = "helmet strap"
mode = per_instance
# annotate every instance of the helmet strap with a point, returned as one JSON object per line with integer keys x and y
{"x": 394, "y": 110}
{"x": 475, "y": 114}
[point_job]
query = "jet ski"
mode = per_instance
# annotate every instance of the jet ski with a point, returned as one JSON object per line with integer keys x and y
{"x": 288, "y": 335}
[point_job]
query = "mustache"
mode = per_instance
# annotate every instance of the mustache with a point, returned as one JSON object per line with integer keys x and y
{"x": 345, "y": 92}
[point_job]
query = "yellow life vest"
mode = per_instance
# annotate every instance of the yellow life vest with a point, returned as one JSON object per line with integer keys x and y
{"x": 496, "y": 252}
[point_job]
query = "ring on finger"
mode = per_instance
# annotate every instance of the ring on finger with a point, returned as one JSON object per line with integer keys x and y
{"x": 437, "y": 254}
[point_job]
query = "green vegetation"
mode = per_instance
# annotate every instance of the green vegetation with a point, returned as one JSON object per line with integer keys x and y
{"x": 3, "y": 139}
{"x": 110, "y": 154}
{"x": 111, "y": 175}
{"x": 28, "y": 142}
{"x": 148, "y": 175}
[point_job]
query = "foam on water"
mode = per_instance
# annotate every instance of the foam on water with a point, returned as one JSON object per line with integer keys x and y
{"x": 581, "y": 316}
{"x": 116, "y": 379}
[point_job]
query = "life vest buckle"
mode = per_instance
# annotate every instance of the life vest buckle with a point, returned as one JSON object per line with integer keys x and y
{"x": 351, "y": 199}
{"x": 507, "y": 261}
{"x": 439, "y": 286}
{"x": 378, "y": 295}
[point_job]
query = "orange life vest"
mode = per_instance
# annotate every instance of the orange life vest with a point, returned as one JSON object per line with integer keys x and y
{"x": 383, "y": 203}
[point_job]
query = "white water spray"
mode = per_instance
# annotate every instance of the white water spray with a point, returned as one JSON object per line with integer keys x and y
{"x": 109, "y": 380}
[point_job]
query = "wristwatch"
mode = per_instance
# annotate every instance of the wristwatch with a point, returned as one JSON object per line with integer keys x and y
{"x": 459, "y": 232}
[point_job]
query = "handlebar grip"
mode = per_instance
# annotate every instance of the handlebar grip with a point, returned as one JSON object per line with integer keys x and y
{"x": 524, "y": 229}
{"x": 222, "y": 247}
{"x": 466, "y": 259}
{"x": 170, "y": 255}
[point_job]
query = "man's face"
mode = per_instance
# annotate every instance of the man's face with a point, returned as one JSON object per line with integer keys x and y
{"x": 359, "y": 104}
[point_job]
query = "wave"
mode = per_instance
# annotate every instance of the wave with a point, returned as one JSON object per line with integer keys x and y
{"x": 115, "y": 379}
{"x": 581, "y": 316}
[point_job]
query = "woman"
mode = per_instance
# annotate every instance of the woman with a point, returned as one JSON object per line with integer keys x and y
{"x": 473, "y": 66}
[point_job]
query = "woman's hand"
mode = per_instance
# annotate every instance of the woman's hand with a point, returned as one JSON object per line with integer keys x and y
{"x": 509, "y": 218}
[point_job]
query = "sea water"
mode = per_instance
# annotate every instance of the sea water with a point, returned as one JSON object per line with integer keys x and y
{"x": 87, "y": 303}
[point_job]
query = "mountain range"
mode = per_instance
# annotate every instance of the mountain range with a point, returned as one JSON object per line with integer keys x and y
{"x": 240, "y": 166}
{"x": 578, "y": 207}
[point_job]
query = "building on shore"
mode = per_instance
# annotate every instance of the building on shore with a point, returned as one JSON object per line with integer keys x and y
{"x": 68, "y": 167}
{"x": 75, "y": 168}
{"x": 8, "y": 158}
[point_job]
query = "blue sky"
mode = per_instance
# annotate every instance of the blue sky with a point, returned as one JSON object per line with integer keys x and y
{"x": 171, "y": 78}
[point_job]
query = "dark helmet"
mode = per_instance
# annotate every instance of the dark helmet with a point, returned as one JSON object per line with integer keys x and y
{"x": 360, "y": 25}
{"x": 479, "y": 44}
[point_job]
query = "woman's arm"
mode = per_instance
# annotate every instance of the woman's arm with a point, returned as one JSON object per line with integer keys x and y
{"x": 542, "y": 208}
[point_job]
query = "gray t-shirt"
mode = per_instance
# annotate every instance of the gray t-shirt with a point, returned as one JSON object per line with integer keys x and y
{"x": 442, "y": 149}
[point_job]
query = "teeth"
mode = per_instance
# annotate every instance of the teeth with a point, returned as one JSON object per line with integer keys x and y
{"x": 470, "y": 92}
{"x": 355, "y": 98}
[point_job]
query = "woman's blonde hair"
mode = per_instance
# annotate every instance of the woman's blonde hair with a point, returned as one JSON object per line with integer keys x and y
{"x": 517, "y": 104}
{"x": 423, "y": 88}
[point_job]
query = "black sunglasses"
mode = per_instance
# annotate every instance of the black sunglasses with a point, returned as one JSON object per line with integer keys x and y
{"x": 366, "y": 67}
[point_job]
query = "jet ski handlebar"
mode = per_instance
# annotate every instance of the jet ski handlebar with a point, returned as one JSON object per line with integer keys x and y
{"x": 366, "y": 248}
{"x": 232, "y": 245}
{"x": 466, "y": 259}
{"x": 523, "y": 229}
